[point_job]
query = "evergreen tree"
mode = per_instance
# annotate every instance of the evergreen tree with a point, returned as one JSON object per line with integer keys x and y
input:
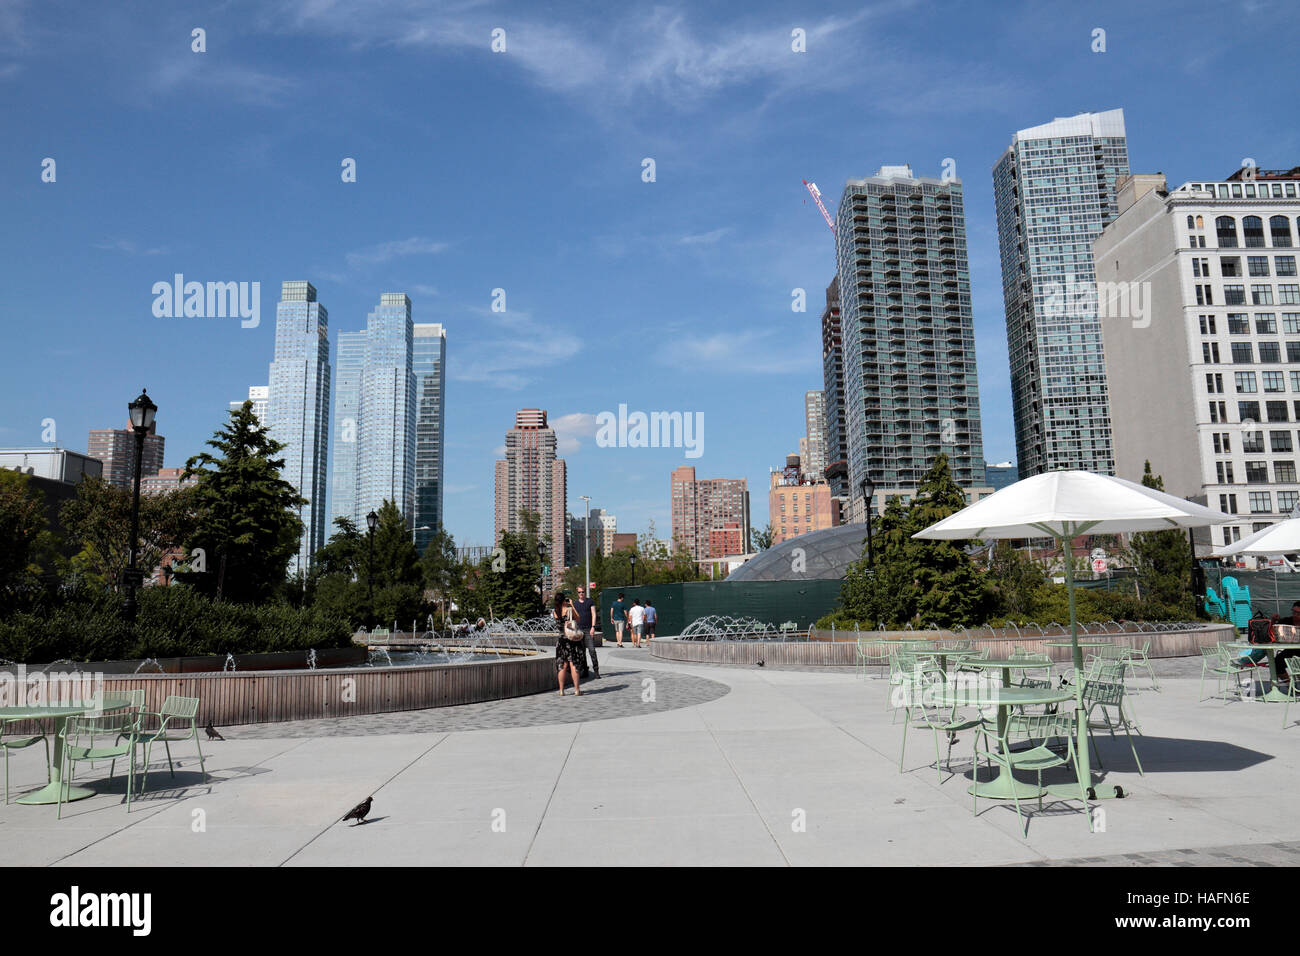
{"x": 25, "y": 539}
{"x": 1163, "y": 560}
{"x": 247, "y": 516}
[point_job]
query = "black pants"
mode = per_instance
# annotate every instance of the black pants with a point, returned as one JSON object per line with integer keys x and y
{"x": 1281, "y": 662}
{"x": 589, "y": 642}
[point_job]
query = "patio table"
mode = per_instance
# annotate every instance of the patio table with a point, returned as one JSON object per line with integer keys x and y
{"x": 1274, "y": 695}
{"x": 60, "y": 714}
{"x": 941, "y": 654}
{"x": 1005, "y": 786}
{"x": 1007, "y": 666}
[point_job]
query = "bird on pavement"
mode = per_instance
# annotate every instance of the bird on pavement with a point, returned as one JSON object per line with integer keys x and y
{"x": 760, "y": 662}
{"x": 212, "y": 732}
{"x": 359, "y": 812}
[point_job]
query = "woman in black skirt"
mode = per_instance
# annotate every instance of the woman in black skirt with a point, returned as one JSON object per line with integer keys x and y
{"x": 570, "y": 656}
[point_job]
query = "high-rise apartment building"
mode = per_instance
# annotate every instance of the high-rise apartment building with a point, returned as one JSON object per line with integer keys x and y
{"x": 260, "y": 396}
{"x": 1200, "y": 304}
{"x": 797, "y": 502}
{"x": 1055, "y": 189}
{"x": 911, "y": 390}
{"x": 166, "y": 480}
{"x": 115, "y": 447}
{"x": 836, "y": 470}
{"x": 298, "y": 407}
{"x": 429, "y": 363}
{"x": 376, "y": 414}
{"x": 603, "y": 528}
{"x": 813, "y": 447}
{"x": 700, "y": 506}
{"x": 532, "y": 478}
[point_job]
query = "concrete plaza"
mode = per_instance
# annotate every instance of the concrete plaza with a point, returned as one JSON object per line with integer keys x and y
{"x": 675, "y": 764}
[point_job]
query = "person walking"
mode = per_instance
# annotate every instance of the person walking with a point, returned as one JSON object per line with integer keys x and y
{"x": 651, "y": 617}
{"x": 570, "y": 658}
{"x": 618, "y": 617}
{"x": 636, "y": 618}
{"x": 585, "y": 610}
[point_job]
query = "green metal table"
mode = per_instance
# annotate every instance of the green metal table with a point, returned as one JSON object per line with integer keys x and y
{"x": 60, "y": 714}
{"x": 941, "y": 654}
{"x": 1274, "y": 695}
{"x": 1005, "y": 786}
{"x": 1007, "y": 666}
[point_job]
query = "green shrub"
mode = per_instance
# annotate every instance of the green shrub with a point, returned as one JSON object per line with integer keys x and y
{"x": 172, "y": 622}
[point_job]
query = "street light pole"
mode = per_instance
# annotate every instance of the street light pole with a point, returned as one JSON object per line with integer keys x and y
{"x": 868, "y": 495}
{"x": 541, "y": 581}
{"x": 632, "y": 559}
{"x": 142, "y": 412}
{"x": 586, "y": 544}
{"x": 372, "y": 521}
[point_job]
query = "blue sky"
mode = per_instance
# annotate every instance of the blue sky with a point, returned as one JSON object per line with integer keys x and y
{"x": 522, "y": 170}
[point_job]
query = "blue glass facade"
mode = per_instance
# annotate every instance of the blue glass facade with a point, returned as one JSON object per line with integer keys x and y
{"x": 298, "y": 409}
{"x": 430, "y": 362}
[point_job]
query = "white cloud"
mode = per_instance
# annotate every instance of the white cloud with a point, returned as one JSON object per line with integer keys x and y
{"x": 570, "y": 428}
{"x": 192, "y": 72}
{"x": 749, "y": 351}
{"x": 704, "y": 238}
{"x": 387, "y": 251}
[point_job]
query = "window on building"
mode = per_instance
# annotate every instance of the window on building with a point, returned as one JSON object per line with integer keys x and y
{"x": 1270, "y": 352}
{"x": 1265, "y": 323}
{"x": 1230, "y": 266}
{"x": 1232, "y": 295}
{"x": 1261, "y": 293}
{"x": 1243, "y": 353}
{"x": 1280, "y": 228}
{"x": 1279, "y": 441}
{"x": 1257, "y": 265}
{"x": 1252, "y": 442}
{"x": 1228, "y": 504}
{"x": 1207, "y": 325}
{"x": 1252, "y": 227}
{"x": 1191, "y": 224}
{"x": 1256, "y": 473}
{"x": 1200, "y": 222}
{"x": 1245, "y": 382}
{"x": 1284, "y": 472}
{"x": 1225, "y": 228}
{"x": 1274, "y": 382}
{"x": 1284, "y": 265}
{"x": 1248, "y": 411}
{"x": 1291, "y": 323}
{"x": 1286, "y": 501}
{"x": 1288, "y": 294}
{"x": 1277, "y": 411}
{"x": 1261, "y": 502}
{"x": 1224, "y": 471}
{"x": 1238, "y": 323}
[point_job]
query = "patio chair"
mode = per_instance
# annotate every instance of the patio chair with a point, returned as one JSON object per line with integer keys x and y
{"x": 871, "y": 654}
{"x": 1215, "y": 605}
{"x": 1215, "y": 661}
{"x": 981, "y": 655}
{"x": 20, "y": 743}
{"x": 1292, "y": 687}
{"x": 1108, "y": 696}
{"x": 79, "y": 734}
{"x": 1039, "y": 757}
{"x": 136, "y": 706}
{"x": 922, "y": 710}
{"x": 178, "y": 721}
{"x": 1238, "y": 600}
{"x": 1138, "y": 657}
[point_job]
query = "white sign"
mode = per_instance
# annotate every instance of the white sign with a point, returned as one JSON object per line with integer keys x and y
{"x": 1099, "y": 565}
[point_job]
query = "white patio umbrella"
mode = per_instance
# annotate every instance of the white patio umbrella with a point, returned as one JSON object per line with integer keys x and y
{"x": 1281, "y": 538}
{"x": 1064, "y": 505}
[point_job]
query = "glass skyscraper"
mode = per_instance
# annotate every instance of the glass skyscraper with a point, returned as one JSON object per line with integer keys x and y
{"x": 298, "y": 409}
{"x": 910, "y": 386}
{"x": 430, "y": 362}
{"x": 376, "y": 400}
{"x": 1055, "y": 188}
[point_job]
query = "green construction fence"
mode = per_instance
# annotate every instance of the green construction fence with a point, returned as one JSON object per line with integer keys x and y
{"x": 772, "y": 602}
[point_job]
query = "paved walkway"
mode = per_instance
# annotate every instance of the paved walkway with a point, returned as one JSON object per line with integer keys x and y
{"x": 722, "y": 766}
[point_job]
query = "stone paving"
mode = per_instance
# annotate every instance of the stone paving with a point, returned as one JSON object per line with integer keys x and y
{"x": 1258, "y": 854}
{"x": 625, "y": 689}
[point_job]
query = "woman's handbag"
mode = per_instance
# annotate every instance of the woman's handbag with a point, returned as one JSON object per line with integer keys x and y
{"x": 571, "y": 631}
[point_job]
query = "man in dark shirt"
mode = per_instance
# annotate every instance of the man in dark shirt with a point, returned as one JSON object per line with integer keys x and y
{"x": 618, "y": 617}
{"x": 585, "y": 608}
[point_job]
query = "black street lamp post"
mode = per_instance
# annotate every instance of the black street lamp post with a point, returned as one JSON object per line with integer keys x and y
{"x": 868, "y": 494}
{"x": 142, "y": 412}
{"x": 372, "y": 522}
{"x": 541, "y": 572}
{"x": 632, "y": 559}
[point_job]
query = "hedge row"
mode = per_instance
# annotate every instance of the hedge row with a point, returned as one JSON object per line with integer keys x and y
{"x": 171, "y": 622}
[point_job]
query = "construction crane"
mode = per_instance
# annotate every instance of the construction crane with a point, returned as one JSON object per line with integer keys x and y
{"x": 817, "y": 198}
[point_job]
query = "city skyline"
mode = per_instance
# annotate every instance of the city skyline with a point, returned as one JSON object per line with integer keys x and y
{"x": 683, "y": 297}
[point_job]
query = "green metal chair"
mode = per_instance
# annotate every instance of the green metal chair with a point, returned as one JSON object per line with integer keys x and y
{"x": 871, "y": 654}
{"x": 1215, "y": 661}
{"x": 1139, "y": 657}
{"x": 1108, "y": 697}
{"x": 177, "y": 714}
{"x": 1037, "y": 757}
{"x": 1292, "y": 687}
{"x": 20, "y": 743}
{"x": 79, "y": 735}
{"x": 922, "y": 710}
{"x": 981, "y": 655}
